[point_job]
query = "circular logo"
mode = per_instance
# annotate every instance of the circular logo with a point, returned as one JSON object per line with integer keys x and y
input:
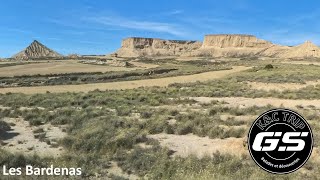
{"x": 280, "y": 141}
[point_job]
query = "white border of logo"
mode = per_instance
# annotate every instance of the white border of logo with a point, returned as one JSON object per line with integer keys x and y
{"x": 283, "y": 109}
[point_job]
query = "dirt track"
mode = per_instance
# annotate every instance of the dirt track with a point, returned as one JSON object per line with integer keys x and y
{"x": 125, "y": 84}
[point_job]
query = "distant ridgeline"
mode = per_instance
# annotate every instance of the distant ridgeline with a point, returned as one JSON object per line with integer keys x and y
{"x": 215, "y": 45}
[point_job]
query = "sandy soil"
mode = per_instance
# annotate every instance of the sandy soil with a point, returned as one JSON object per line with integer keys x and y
{"x": 225, "y": 117}
{"x": 21, "y": 139}
{"x": 281, "y": 86}
{"x": 187, "y": 58}
{"x": 185, "y": 145}
{"x": 162, "y": 82}
{"x": 247, "y": 102}
{"x": 301, "y": 62}
{"x": 116, "y": 170}
{"x": 143, "y": 65}
{"x": 60, "y": 67}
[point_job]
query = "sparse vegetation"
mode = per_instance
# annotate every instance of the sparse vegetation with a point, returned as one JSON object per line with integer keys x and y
{"x": 166, "y": 70}
{"x": 269, "y": 66}
{"x": 283, "y": 73}
{"x": 106, "y": 126}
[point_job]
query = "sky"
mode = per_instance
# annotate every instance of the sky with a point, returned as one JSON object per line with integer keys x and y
{"x": 98, "y": 26}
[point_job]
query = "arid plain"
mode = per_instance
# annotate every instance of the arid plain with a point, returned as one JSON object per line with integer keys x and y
{"x": 155, "y": 109}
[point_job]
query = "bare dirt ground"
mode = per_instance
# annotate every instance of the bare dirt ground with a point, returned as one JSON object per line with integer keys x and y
{"x": 21, "y": 139}
{"x": 301, "y": 62}
{"x": 212, "y": 59}
{"x": 247, "y": 102}
{"x": 162, "y": 82}
{"x": 60, "y": 67}
{"x": 281, "y": 86}
{"x": 143, "y": 65}
{"x": 185, "y": 145}
{"x": 225, "y": 117}
{"x": 116, "y": 170}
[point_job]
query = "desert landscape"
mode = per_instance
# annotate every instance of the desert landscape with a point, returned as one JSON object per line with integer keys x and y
{"x": 155, "y": 109}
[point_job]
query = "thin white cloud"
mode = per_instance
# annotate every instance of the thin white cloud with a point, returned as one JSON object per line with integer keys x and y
{"x": 17, "y": 30}
{"x": 175, "y": 12}
{"x": 138, "y": 25}
{"x": 73, "y": 32}
{"x": 76, "y": 24}
{"x": 90, "y": 42}
{"x": 54, "y": 38}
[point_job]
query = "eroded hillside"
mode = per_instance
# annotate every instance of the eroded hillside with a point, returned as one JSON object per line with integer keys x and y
{"x": 215, "y": 45}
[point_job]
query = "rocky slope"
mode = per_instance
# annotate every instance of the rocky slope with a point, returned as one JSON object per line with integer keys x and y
{"x": 234, "y": 40}
{"x": 305, "y": 50}
{"x": 237, "y": 45}
{"x": 135, "y": 47}
{"x": 220, "y": 45}
{"x": 36, "y": 50}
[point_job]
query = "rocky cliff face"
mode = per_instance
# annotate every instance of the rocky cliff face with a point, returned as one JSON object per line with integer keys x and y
{"x": 234, "y": 40}
{"x": 221, "y": 45}
{"x": 237, "y": 45}
{"x": 135, "y": 46}
{"x": 36, "y": 50}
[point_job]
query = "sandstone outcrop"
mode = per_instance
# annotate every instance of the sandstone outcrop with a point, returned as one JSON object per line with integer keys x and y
{"x": 234, "y": 40}
{"x": 237, "y": 45}
{"x": 36, "y": 50}
{"x": 273, "y": 51}
{"x": 220, "y": 45}
{"x": 305, "y": 50}
{"x": 135, "y": 47}
{"x": 74, "y": 56}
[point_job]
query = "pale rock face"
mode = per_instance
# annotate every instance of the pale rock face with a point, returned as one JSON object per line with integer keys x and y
{"x": 305, "y": 50}
{"x": 273, "y": 51}
{"x": 138, "y": 43}
{"x": 234, "y": 40}
{"x": 135, "y": 47}
{"x": 36, "y": 50}
{"x": 237, "y": 45}
{"x": 223, "y": 45}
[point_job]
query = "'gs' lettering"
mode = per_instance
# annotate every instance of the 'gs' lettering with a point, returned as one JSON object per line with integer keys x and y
{"x": 257, "y": 143}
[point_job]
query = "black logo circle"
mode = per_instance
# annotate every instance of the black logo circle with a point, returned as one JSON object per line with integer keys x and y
{"x": 280, "y": 141}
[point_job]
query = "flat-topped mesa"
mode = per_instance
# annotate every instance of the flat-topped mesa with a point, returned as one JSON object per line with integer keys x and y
{"x": 215, "y": 45}
{"x": 234, "y": 40}
{"x": 136, "y": 42}
{"x": 137, "y": 46}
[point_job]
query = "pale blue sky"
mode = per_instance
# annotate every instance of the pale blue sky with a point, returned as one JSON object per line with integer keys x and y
{"x": 97, "y": 27}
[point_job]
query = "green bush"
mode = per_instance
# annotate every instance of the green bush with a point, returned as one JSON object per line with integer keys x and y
{"x": 269, "y": 66}
{"x": 216, "y": 132}
{"x": 185, "y": 129}
{"x": 4, "y": 126}
{"x": 146, "y": 115}
{"x": 233, "y": 132}
{"x": 212, "y": 112}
